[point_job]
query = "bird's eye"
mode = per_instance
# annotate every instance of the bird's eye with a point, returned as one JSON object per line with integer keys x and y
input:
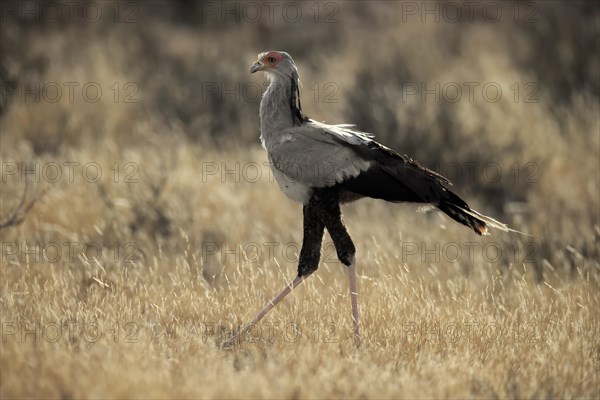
{"x": 271, "y": 59}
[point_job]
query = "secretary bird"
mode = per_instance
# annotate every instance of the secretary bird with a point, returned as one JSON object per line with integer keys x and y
{"x": 323, "y": 166}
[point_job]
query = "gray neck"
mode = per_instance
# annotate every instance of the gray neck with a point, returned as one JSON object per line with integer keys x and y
{"x": 279, "y": 110}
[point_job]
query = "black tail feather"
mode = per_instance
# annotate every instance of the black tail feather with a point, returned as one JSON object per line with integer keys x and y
{"x": 458, "y": 214}
{"x": 458, "y": 210}
{"x": 398, "y": 178}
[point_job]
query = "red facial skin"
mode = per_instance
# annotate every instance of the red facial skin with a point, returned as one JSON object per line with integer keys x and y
{"x": 272, "y": 58}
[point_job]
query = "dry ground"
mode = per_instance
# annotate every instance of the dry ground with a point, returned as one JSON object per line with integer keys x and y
{"x": 122, "y": 284}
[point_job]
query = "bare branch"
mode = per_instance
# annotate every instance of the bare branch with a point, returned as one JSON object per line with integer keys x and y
{"x": 17, "y": 216}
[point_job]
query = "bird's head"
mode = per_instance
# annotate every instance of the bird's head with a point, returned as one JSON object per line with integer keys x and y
{"x": 277, "y": 65}
{"x": 280, "y": 69}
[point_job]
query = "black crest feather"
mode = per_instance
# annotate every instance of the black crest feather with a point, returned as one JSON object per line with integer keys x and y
{"x": 297, "y": 115}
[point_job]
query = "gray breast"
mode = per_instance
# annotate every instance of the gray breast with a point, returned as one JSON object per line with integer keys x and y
{"x": 293, "y": 188}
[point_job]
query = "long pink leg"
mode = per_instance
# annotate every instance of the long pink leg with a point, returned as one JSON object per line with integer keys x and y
{"x": 268, "y": 307}
{"x": 354, "y": 301}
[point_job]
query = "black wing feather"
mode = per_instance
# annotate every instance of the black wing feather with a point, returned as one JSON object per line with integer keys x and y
{"x": 397, "y": 178}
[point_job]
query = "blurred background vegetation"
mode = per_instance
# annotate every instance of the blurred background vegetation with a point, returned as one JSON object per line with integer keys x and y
{"x": 163, "y": 214}
{"x": 182, "y": 84}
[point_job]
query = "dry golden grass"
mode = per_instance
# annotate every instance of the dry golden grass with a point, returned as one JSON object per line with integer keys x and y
{"x": 124, "y": 287}
{"x": 149, "y": 326}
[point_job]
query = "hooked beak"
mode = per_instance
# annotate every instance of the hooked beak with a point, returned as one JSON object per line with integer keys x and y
{"x": 256, "y": 67}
